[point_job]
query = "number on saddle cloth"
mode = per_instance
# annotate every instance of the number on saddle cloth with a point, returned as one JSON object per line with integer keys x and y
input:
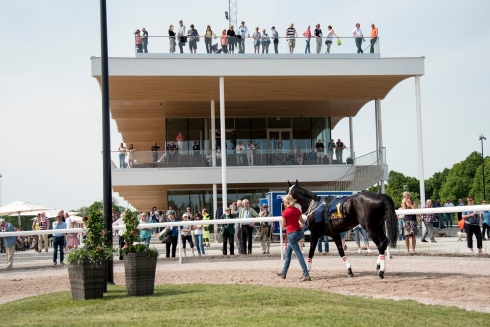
{"x": 335, "y": 207}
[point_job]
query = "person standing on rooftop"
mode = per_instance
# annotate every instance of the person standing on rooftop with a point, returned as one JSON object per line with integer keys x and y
{"x": 358, "y": 37}
{"x": 139, "y": 41}
{"x": 307, "y": 35}
{"x": 275, "y": 36}
{"x": 374, "y": 37}
{"x": 182, "y": 39}
{"x": 328, "y": 39}
{"x": 319, "y": 37}
{"x": 291, "y": 35}
{"x": 171, "y": 39}
{"x": 144, "y": 39}
{"x": 242, "y": 32}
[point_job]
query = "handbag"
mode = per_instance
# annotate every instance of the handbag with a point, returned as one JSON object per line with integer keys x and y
{"x": 197, "y": 38}
{"x": 167, "y": 239}
{"x": 339, "y": 42}
{"x": 461, "y": 223}
{"x": 183, "y": 39}
{"x": 268, "y": 42}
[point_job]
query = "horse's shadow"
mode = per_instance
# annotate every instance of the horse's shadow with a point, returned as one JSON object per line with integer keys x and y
{"x": 394, "y": 275}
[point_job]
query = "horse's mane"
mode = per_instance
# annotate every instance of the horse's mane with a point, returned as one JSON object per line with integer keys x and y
{"x": 308, "y": 194}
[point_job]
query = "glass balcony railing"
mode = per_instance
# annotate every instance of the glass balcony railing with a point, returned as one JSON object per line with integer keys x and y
{"x": 204, "y": 158}
{"x": 163, "y": 44}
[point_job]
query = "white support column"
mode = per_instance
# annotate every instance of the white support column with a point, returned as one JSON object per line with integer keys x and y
{"x": 351, "y": 135}
{"x": 380, "y": 138}
{"x": 224, "y": 187}
{"x": 419, "y": 140}
{"x": 213, "y": 134}
{"x": 215, "y": 207}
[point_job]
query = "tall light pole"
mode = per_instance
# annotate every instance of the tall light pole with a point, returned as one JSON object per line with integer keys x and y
{"x": 483, "y": 166}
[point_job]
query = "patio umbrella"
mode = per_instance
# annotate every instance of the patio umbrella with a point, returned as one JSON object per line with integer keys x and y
{"x": 51, "y": 213}
{"x": 19, "y": 207}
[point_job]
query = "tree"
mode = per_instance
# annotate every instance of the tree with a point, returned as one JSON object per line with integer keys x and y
{"x": 398, "y": 183}
{"x": 434, "y": 184}
{"x": 459, "y": 180}
{"x": 477, "y": 187}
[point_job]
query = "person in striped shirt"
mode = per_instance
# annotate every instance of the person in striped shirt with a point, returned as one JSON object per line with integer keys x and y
{"x": 428, "y": 220}
{"x": 291, "y": 35}
{"x": 43, "y": 225}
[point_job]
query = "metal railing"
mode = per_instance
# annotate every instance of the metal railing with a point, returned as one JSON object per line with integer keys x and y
{"x": 163, "y": 44}
{"x": 203, "y": 158}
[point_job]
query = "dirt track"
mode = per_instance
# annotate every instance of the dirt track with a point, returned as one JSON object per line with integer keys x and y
{"x": 426, "y": 279}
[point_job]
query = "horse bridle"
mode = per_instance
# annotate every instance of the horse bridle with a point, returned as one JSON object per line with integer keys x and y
{"x": 312, "y": 205}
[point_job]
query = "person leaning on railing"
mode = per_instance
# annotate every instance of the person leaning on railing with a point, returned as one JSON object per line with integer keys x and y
{"x": 231, "y": 39}
{"x": 139, "y": 41}
{"x": 319, "y": 38}
{"x": 171, "y": 39}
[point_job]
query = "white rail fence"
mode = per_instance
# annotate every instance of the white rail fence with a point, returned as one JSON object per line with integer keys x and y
{"x": 476, "y": 208}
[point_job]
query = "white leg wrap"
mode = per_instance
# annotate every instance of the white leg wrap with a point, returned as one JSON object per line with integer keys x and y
{"x": 308, "y": 264}
{"x": 347, "y": 263}
{"x": 382, "y": 262}
{"x": 377, "y": 262}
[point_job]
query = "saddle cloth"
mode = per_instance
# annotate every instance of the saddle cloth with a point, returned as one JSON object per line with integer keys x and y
{"x": 334, "y": 207}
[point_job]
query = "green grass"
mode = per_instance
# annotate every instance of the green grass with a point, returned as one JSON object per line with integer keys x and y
{"x": 224, "y": 305}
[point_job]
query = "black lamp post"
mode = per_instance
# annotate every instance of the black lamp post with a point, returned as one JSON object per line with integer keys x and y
{"x": 483, "y": 166}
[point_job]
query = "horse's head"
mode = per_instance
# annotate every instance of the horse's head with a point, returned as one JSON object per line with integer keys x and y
{"x": 291, "y": 187}
{"x": 302, "y": 196}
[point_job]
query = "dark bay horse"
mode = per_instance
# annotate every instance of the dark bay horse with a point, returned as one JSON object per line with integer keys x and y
{"x": 371, "y": 210}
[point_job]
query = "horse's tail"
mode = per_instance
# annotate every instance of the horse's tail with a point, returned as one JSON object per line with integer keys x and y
{"x": 390, "y": 219}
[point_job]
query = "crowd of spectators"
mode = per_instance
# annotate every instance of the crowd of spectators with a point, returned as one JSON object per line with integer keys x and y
{"x": 231, "y": 39}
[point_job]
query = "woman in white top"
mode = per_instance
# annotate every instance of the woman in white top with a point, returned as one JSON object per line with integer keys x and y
{"x": 265, "y": 41}
{"x": 239, "y": 149}
{"x": 330, "y": 34}
{"x": 131, "y": 160}
{"x": 198, "y": 236}
{"x": 122, "y": 155}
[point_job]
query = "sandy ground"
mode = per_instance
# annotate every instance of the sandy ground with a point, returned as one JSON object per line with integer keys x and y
{"x": 449, "y": 281}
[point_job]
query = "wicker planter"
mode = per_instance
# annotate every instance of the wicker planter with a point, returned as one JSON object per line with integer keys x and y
{"x": 140, "y": 273}
{"x": 87, "y": 282}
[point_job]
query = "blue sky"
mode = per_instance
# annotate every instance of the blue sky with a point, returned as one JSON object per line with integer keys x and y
{"x": 50, "y": 106}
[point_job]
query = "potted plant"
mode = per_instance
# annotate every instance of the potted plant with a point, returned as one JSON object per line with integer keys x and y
{"x": 87, "y": 264}
{"x": 140, "y": 261}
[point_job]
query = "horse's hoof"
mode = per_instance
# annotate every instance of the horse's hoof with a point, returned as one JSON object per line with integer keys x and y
{"x": 378, "y": 267}
{"x": 381, "y": 274}
{"x": 350, "y": 274}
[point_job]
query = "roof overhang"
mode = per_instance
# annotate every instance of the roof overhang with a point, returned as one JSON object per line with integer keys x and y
{"x": 145, "y": 91}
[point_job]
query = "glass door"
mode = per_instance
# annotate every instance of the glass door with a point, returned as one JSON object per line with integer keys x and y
{"x": 279, "y": 144}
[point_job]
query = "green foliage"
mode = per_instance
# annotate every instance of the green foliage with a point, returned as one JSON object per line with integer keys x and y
{"x": 232, "y": 305}
{"x": 477, "y": 187}
{"x": 398, "y": 183}
{"x": 459, "y": 180}
{"x": 132, "y": 235}
{"x": 95, "y": 247}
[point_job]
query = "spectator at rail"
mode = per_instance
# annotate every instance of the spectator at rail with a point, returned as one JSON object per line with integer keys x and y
{"x": 428, "y": 221}
{"x": 358, "y": 232}
{"x": 472, "y": 226}
{"x": 358, "y": 37}
{"x": 291, "y": 36}
{"x": 174, "y": 234}
{"x": 154, "y": 151}
{"x": 291, "y": 218}
{"x": 8, "y": 242}
{"x": 232, "y": 39}
{"x": 265, "y": 230}
{"x": 122, "y": 155}
{"x": 72, "y": 241}
{"x": 439, "y": 216}
{"x": 144, "y": 40}
{"x": 186, "y": 235}
{"x": 485, "y": 223}
{"x": 206, "y": 229}
{"x": 138, "y": 41}
{"x": 238, "y": 151}
{"x": 58, "y": 240}
{"x": 449, "y": 215}
{"x": 198, "y": 235}
{"x": 329, "y": 37}
{"x": 171, "y": 39}
{"x": 43, "y": 238}
{"x": 228, "y": 232}
{"x": 275, "y": 36}
{"x": 299, "y": 156}
{"x": 233, "y": 139}
{"x": 331, "y": 147}
{"x": 323, "y": 239}
{"x": 145, "y": 233}
{"x": 320, "y": 153}
{"x": 171, "y": 147}
{"x": 319, "y": 37}
{"x": 307, "y": 35}
{"x": 242, "y": 32}
{"x": 208, "y": 38}
{"x": 235, "y": 209}
{"x": 460, "y": 204}
{"x": 35, "y": 238}
{"x": 339, "y": 149}
{"x": 265, "y": 41}
{"x": 224, "y": 41}
{"x": 120, "y": 232}
{"x": 247, "y": 228}
{"x": 131, "y": 160}
{"x": 181, "y": 36}
{"x": 180, "y": 142}
{"x": 409, "y": 223}
{"x": 193, "y": 35}
{"x": 374, "y": 37}
{"x": 256, "y": 37}
{"x": 153, "y": 217}
{"x": 250, "y": 153}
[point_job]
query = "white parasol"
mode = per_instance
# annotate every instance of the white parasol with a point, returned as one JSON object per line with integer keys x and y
{"x": 19, "y": 207}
